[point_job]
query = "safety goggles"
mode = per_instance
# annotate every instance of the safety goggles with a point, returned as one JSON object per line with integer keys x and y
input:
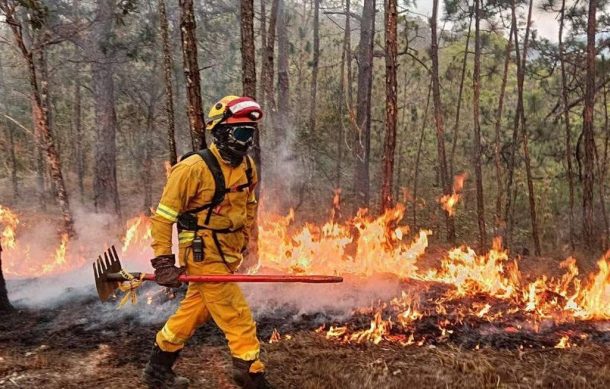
{"x": 242, "y": 134}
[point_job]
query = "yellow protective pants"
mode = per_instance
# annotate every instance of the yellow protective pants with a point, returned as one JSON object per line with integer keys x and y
{"x": 226, "y": 304}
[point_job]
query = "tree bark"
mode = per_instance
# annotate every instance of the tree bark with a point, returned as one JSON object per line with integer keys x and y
{"x": 362, "y": 144}
{"x": 248, "y": 52}
{"x": 5, "y": 304}
{"x": 148, "y": 150}
{"x": 78, "y": 130}
{"x": 314, "y": 67}
{"x": 169, "y": 89}
{"x": 439, "y": 122}
{"x": 283, "y": 81}
{"x": 105, "y": 187}
{"x": 456, "y": 124}
{"x": 588, "y": 228}
{"x": 12, "y": 158}
{"x": 345, "y": 92}
{"x": 418, "y": 156}
{"x": 498, "y": 129}
{"x": 476, "y": 100}
{"x": 191, "y": 74}
{"x": 602, "y": 167}
{"x": 566, "y": 120}
{"x": 528, "y": 167}
{"x": 391, "y": 85}
{"x": 268, "y": 66}
{"x": 263, "y": 33}
{"x": 47, "y": 142}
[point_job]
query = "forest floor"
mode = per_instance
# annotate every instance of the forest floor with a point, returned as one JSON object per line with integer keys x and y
{"x": 81, "y": 343}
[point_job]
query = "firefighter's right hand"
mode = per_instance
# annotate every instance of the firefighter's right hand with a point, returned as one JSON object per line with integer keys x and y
{"x": 166, "y": 272}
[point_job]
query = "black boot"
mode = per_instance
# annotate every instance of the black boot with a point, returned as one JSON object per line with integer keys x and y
{"x": 244, "y": 379}
{"x": 158, "y": 372}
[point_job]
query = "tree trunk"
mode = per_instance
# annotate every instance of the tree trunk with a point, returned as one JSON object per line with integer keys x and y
{"x": 105, "y": 187}
{"x": 12, "y": 158}
{"x": 476, "y": 100}
{"x": 588, "y": 228}
{"x": 499, "y": 222}
{"x": 602, "y": 164}
{"x": 248, "y": 51}
{"x": 268, "y": 66}
{"x": 5, "y": 304}
{"x": 526, "y": 154}
{"x": 345, "y": 91}
{"x": 439, "y": 122}
{"x": 191, "y": 74}
{"x": 508, "y": 214}
{"x": 391, "y": 85}
{"x": 148, "y": 150}
{"x": 263, "y": 33}
{"x": 169, "y": 89}
{"x": 418, "y": 156}
{"x": 566, "y": 120}
{"x": 78, "y": 129}
{"x": 46, "y": 140}
{"x": 456, "y": 124}
{"x": 362, "y": 144}
{"x": 314, "y": 67}
{"x": 283, "y": 114}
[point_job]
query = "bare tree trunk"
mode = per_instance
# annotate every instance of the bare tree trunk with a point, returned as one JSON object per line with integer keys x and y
{"x": 588, "y": 228}
{"x": 105, "y": 187}
{"x": 314, "y": 67}
{"x": 566, "y": 119}
{"x": 148, "y": 150}
{"x": 439, "y": 122}
{"x": 345, "y": 93}
{"x": 268, "y": 66}
{"x": 169, "y": 89}
{"x": 362, "y": 144}
{"x": 456, "y": 124}
{"x": 263, "y": 33}
{"x": 508, "y": 214}
{"x": 391, "y": 85}
{"x": 526, "y": 155}
{"x": 248, "y": 52}
{"x": 78, "y": 129}
{"x": 418, "y": 156}
{"x": 476, "y": 86}
{"x": 283, "y": 81}
{"x": 12, "y": 158}
{"x": 47, "y": 142}
{"x": 5, "y": 304}
{"x": 191, "y": 74}
{"x": 602, "y": 167}
{"x": 498, "y": 127}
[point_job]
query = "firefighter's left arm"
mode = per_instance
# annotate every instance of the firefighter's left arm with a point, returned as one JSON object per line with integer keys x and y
{"x": 251, "y": 205}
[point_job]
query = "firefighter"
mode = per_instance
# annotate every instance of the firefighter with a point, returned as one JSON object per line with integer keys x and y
{"x": 210, "y": 195}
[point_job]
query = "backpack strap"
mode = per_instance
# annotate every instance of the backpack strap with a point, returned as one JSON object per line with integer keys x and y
{"x": 220, "y": 188}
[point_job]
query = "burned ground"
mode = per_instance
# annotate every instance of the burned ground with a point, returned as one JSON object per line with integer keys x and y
{"x": 82, "y": 343}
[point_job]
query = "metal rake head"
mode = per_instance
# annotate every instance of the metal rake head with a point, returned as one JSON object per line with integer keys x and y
{"x": 101, "y": 268}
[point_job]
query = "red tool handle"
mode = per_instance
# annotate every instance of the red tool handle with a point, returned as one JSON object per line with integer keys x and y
{"x": 314, "y": 279}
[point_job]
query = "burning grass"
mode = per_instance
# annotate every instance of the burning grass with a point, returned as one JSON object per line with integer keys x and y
{"x": 470, "y": 319}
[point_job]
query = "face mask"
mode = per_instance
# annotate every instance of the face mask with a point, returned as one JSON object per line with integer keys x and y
{"x": 233, "y": 142}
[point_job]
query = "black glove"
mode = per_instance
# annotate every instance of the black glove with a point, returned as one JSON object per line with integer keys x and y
{"x": 166, "y": 272}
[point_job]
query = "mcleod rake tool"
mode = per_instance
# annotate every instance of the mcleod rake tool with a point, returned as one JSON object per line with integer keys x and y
{"x": 109, "y": 274}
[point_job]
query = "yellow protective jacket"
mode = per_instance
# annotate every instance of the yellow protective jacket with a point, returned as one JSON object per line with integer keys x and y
{"x": 191, "y": 185}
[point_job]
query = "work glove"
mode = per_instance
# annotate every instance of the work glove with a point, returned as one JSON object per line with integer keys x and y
{"x": 166, "y": 272}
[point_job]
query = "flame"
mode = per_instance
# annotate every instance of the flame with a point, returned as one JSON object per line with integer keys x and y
{"x": 10, "y": 221}
{"x": 449, "y": 201}
{"x": 485, "y": 287}
{"x": 564, "y": 342}
{"x": 275, "y": 336}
